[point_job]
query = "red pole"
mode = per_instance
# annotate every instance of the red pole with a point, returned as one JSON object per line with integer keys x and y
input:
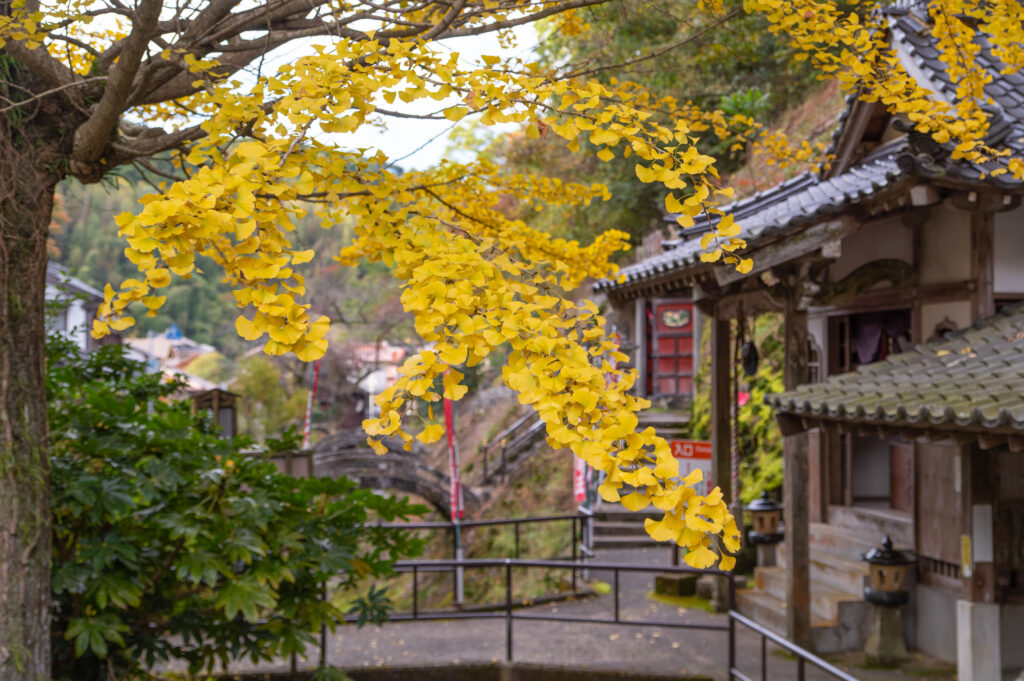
{"x": 306, "y": 431}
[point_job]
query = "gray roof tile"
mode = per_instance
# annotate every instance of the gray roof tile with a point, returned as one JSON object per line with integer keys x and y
{"x": 973, "y": 379}
{"x": 808, "y": 198}
{"x": 802, "y": 199}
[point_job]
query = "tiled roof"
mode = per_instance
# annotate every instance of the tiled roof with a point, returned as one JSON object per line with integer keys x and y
{"x": 807, "y": 198}
{"x": 975, "y": 379}
{"x": 801, "y": 200}
{"x": 58, "y": 275}
{"x": 912, "y": 36}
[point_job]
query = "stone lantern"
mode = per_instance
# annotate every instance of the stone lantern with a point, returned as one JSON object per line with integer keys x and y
{"x": 889, "y": 569}
{"x": 766, "y": 516}
{"x": 222, "y": 405}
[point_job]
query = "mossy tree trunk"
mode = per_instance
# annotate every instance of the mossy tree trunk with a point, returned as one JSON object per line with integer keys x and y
{"x": 32, "y": 143}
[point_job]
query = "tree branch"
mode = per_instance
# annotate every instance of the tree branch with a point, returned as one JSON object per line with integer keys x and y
{"x": 92, "y": 137}
{"x": 51, "y": 71}
{"x": 51, "y": 91}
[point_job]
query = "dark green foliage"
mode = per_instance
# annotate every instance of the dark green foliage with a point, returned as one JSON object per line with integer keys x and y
{"x": 760, "y": 440}
{"x": 172, "y": 546}
{"x": 86, "y": 240}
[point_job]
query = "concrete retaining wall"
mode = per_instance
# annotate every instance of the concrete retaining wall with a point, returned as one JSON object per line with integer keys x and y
{"x": 936, "y": 623}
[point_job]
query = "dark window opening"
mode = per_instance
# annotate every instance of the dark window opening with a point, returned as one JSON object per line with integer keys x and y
{"x": 866, "y": 338}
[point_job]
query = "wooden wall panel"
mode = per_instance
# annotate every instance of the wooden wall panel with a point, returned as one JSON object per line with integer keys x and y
{"x": 937, "y": 524}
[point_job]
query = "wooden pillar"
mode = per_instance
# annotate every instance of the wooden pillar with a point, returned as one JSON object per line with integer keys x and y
{"x": 977, "y": 484}
{"x": 721, "y": 401}
{"x": 795, "y": 478}
{"x": 982, "y": 265}
{"x": 979, "y": 648}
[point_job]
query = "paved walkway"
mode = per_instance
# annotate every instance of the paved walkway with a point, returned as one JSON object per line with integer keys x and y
{"x": 651, "y": 650}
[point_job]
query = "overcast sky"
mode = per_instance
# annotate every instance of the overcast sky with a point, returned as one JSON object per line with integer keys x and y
{"x": 404, "y": 136}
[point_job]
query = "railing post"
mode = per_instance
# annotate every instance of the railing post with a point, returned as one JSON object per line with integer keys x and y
{"x": 415, "y": 598}
{"x": 573, "y": 530}
{"x": 508, "y": 610}
{"x": 732, "y": 623}
{"x": 616, "y": 588}
{"x": 800, "y": 673}
{"x": 732, "y": 644}
{"x": 764, "y": 659}
{"x": 323, "y": 632}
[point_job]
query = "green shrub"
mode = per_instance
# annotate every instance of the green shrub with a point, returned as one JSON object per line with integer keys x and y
{"x": 172, "y": 546}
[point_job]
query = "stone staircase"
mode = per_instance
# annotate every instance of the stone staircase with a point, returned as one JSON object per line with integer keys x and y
{"x": 839, "y": 615}
{"x": 618, "y": 528}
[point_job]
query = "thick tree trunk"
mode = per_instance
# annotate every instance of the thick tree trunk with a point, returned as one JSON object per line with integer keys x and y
{"x": 27, "y": 182}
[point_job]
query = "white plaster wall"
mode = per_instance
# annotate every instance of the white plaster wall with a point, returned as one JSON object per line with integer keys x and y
{"x": 1012, "y": 636}
{"x": 959, "y": 311}
{"x": 870, "y": 467}
{"x": 817, "y": 329}
{"x": 1009, "y": 251}
{"x": 936, "y": 622}
{"x": 945, "y": 246}
{"x": 76, "y": 324}
{"x": 888, "y": 239}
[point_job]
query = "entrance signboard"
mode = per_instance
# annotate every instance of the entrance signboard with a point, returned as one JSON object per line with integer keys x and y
{"x": 694, "y": 454}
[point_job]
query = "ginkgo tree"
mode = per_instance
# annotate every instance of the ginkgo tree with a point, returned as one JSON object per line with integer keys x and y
{"x": 243, "y": 142}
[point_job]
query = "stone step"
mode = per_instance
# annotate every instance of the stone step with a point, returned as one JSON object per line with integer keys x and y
{"x": 825, "y": 601}
{"x": 874, "y": 523}
{"x": 840, "y": 541}
{"x": 765, "y": 609}
{"x": 627, "y": 542}
{"x": 617, "y": 513}
{"x": 619, "y": 527}
{"x": 847, "y": 632}
{"x": 833, "y": 571}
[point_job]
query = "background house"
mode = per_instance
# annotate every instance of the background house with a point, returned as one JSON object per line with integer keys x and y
{"x": 79, "y": 303}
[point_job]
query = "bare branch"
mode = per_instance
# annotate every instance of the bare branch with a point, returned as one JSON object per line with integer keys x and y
{"x": 51, "y": 91}
{"x": 92, "y": 137}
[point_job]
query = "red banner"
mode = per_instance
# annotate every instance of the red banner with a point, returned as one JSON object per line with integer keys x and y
{"x": 308, "y": 427}
{"x": 454, "y": 470}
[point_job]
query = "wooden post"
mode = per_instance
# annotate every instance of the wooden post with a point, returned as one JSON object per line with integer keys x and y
{"x": 721, "y": 426}
{"x": 721, "y": 398}
{"x": 983, "y": 267}
{"x": 795, "y": 478}
{"x": 979, "y": 648}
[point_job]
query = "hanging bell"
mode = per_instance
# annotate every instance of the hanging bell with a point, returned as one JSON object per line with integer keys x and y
{"x": 749, "y": 358}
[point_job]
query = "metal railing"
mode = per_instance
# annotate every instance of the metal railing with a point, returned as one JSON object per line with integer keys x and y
{"x": 509, "y": 614}
{"x": 581, "y": 529}
{"x": 802, "y": 656}
{"x": 581, "y": 532}
{"x": 511, "y": 440}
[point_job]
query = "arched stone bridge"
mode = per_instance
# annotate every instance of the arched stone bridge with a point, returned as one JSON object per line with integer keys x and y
{"x": 346, "y": 453}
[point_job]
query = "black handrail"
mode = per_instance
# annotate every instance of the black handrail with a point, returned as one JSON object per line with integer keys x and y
{"x": 802, "y": 656}
{"x": 433, "y": 525}
{"x": 509, "y": 613}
